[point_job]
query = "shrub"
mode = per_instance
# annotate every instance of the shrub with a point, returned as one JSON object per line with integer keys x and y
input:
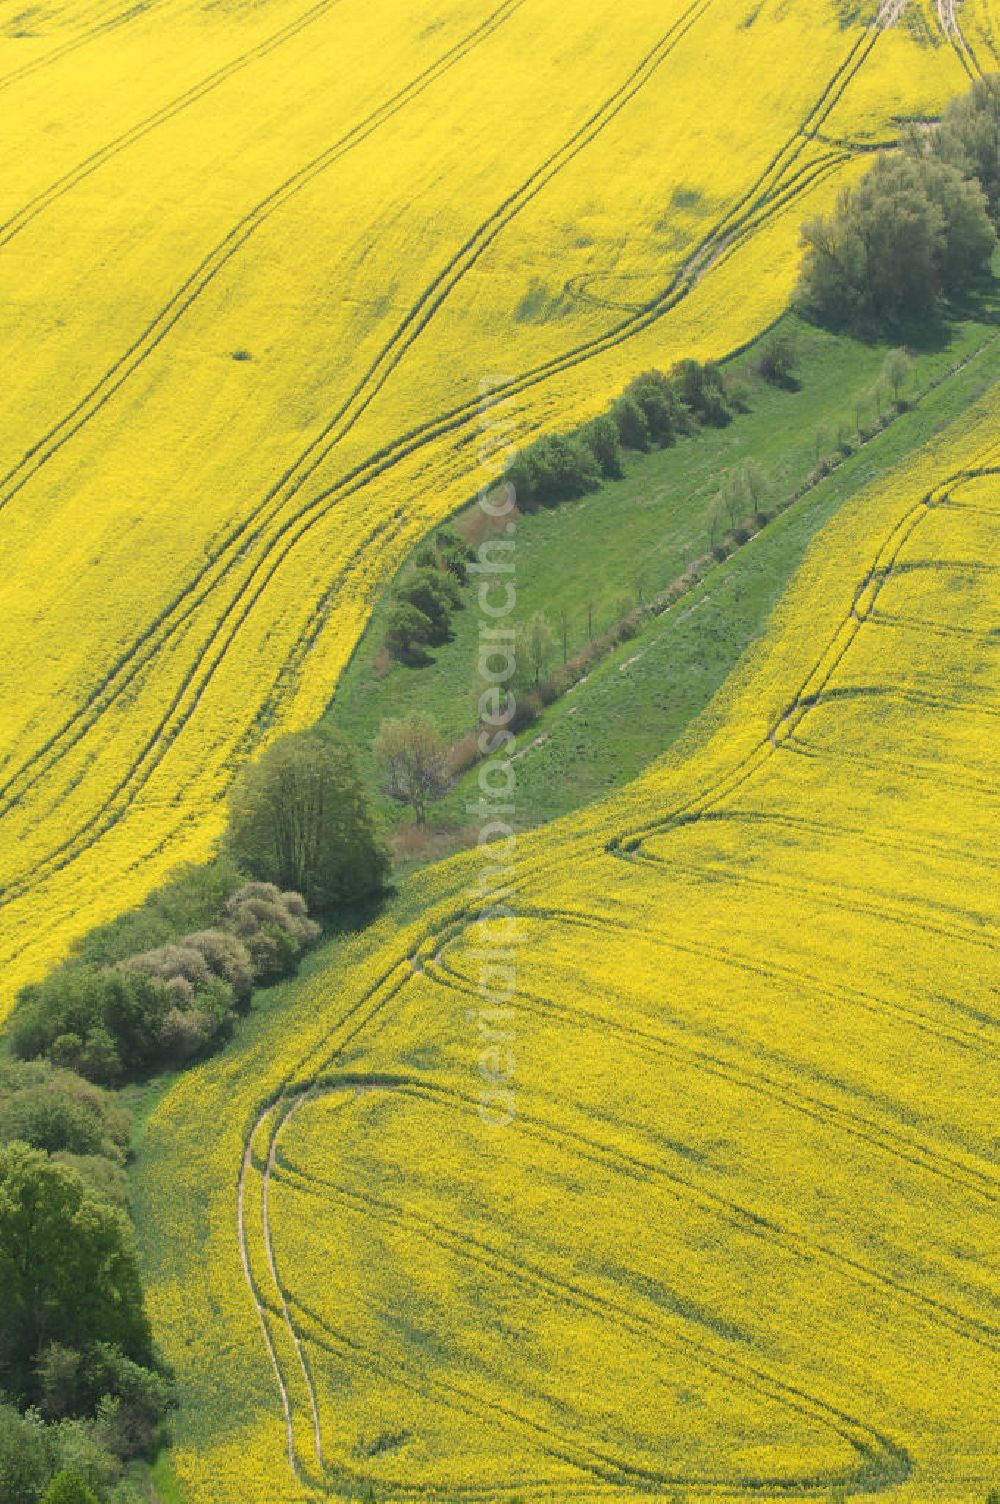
{"x": 554, "y": 469}
{"x": 455, "y": 554}
{"x": 227, "y": 957}
{"x": 655, "y": 396}
{"x": 24, "y": 1457}
{"x": 81, "y": 1283}
{"x": 779, "y": 358}
{"x": 55, "y": 1110}
{"x": 96, "y": 1020}
{"x": 435, "y": 595}
{"x": 431, "y": 589}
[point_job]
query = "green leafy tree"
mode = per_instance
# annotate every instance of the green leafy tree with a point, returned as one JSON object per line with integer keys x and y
{"x": 299, "y": 817}
{"x": 67, "y": 1487}
{"x": 412, "y": 758}
{"x": 24, "y": 1456}
{"x": 68, "y": 1269}
{"x": 912, "y": 231}
{"x": 779, "y": 358}
{"x": 968, "y": 236}
{"x": 455, "y": 554}
{"x": 407, "y": 633}
{"x": 630, "y": 421}
{"x": 656, "y": 397}
{"x": 717, "y": 513}
{"x": 92, "y": 1019}
{"x": 556, "y": 468}
{"x": 702, "y": 391}
{"x": 436, "y": 595}
{"x": 969, "y": 138}
{"x": 603, "y": 437}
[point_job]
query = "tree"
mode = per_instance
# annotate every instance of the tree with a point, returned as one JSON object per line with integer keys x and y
{"x": 435, "y": 594}
{"x": 779, "y": 358}
{"x": 701, "y": 390}
{"x": 536, "y": 646}
{"x": 412, "y": 758}
{"x": 716, "y": 515}
{"x": 407, "y": 632}
{"x": 969, "y": 138}
{"x": 455, "y": 554}
{"x": 605, "y": 442}
{"x": 631, "y": 423}
{"x": 558, "y": 467}
{"x": 68, "y": 1269}
{"x": 67, "y": 1487}
{"x": 300, "y": 818}
{"x": 24, "y": 1456}
{"x": 92, "y": 1019}
{"x": 733, "y": 497}
{"x": 912, "y": 231}
{"x": 754, "y": 483}
{"x": 896, "y": 372}
{"x": 969, "y": 238}
{"x": 655, "y": 396}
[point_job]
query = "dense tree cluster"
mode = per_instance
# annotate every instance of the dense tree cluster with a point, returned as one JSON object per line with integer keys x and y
{"x": 425, "y": 599}
{"x": 81, "y": 1392}
{"x": 75, "y": 1346}
{"x": 917, "y": 229}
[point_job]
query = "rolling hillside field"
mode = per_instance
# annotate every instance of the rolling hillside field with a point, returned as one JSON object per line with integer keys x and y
{"x": 739, "y": 1238}
{"x": 254, "y": 273}
{"x": 628, "y": 1130}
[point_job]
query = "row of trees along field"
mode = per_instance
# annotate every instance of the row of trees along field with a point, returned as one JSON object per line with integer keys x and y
{"x": 655, "y": 409}
{"x": 82, "y": 1389}
{"x": 83, "y": 1392}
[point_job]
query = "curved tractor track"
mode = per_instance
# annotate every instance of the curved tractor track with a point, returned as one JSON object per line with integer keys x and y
{"x": 126, "y": 365}
{"x": 782, "y": 178}
{"x": 604, "y": 1468}
{"x": 879, "y": 1457}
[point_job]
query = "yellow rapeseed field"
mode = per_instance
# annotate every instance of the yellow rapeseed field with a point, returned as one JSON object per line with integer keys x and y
{"x": 738, "y": 1237}
{"x": 255, "y": 263}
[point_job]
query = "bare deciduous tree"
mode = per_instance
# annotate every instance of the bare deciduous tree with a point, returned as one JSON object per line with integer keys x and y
{"x": 412, "y": 758}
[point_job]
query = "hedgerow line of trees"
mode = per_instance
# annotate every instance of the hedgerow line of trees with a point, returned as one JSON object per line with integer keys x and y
{"x": 655, "y": 410}
{"x": 82, "y": 1389}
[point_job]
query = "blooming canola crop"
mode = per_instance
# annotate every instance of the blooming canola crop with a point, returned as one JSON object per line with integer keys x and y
{"x": 253, "y": 272}
{"x": 737, "y": 1236}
